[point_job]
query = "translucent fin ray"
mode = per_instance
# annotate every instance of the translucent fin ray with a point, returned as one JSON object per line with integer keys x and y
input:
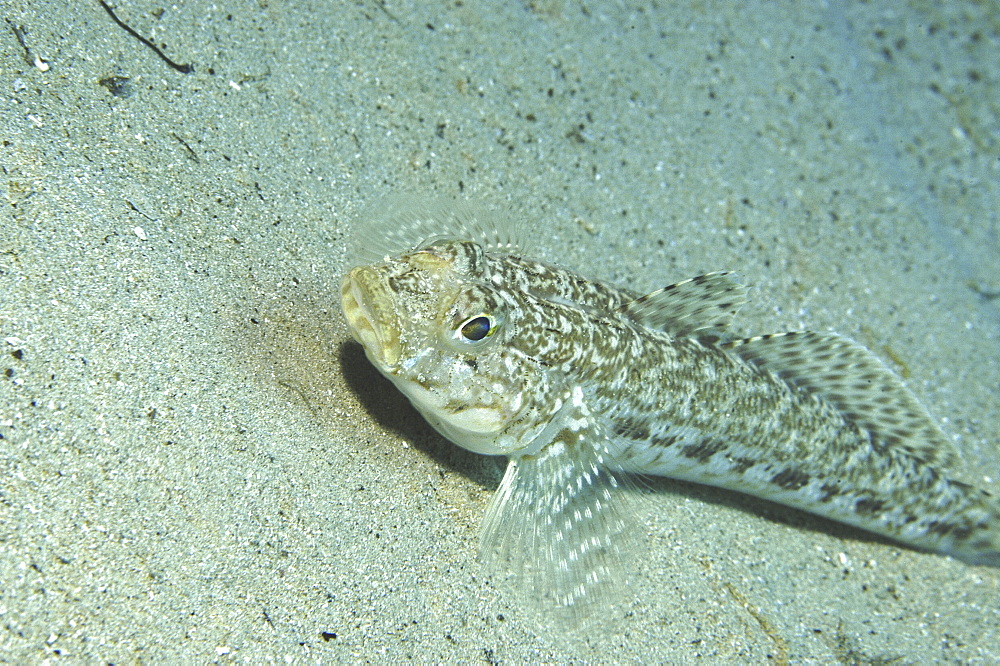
{"x": 401, "y": 223}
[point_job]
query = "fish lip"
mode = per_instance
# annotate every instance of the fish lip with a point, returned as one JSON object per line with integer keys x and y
{"x": 367, "y": 302}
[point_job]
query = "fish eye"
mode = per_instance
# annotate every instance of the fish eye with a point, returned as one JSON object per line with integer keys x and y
{"x": 476, "y": 328}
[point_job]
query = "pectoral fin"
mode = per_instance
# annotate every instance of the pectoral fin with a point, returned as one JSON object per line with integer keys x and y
{"x": 559, "y": 529}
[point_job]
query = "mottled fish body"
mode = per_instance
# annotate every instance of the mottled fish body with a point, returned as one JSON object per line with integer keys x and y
{"x": 579, "y": 382}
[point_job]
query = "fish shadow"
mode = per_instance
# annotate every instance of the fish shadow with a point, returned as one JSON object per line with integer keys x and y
{"x": 756, "y": 506}
{"x": 392, "y": 410}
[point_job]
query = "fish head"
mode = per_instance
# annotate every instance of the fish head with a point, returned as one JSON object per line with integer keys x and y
{"x": 435, "y": 324}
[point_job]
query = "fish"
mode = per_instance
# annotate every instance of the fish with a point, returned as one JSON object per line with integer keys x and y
{"x": 583, "y": 385}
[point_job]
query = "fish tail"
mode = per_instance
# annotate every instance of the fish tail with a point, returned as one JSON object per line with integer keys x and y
{"x": 973, "y": 533}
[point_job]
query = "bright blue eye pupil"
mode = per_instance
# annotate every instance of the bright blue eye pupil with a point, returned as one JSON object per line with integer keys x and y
{"x": 476, "y": 329}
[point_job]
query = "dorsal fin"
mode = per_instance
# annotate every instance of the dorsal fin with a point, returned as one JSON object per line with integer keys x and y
{"x": 707, "y": 302}
{"x": 855, "y": 381}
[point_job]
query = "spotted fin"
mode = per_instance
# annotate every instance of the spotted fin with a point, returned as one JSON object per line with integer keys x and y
{"x": 855, "y": 381}
{"x": 704, "y": 303}
{"x": 401, "y": 223}
{"x": 558, "y": 529}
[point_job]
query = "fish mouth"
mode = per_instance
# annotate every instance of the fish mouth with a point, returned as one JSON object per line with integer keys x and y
{"x": 369, "y": 308}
